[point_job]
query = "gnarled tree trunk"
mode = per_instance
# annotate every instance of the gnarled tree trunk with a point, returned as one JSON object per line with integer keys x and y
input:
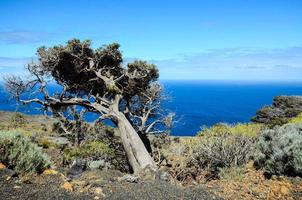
{"x": 137, "y": 154}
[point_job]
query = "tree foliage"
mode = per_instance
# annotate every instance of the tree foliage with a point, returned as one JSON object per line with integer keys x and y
{"x": 94, "y": 76}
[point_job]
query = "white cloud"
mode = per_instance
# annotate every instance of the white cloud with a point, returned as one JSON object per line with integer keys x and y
{"x": 13, "y": 62}
{"x": 223, "y": 64}
{"x": 235, "y": 63}
{"x": 14, "y": 66}
{"x": 21, "y": 37}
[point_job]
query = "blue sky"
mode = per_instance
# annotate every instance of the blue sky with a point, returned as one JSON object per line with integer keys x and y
{"x": 219, "y": 40}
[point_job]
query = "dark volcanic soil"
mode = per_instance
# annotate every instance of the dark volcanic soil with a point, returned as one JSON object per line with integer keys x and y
{"x": 49, "y": 187}
{"x": 42, "y": 188}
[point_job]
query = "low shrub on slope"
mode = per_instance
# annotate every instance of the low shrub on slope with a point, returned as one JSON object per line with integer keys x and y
{"x": 19, "y": 153}
{"x": 279, "y": 150}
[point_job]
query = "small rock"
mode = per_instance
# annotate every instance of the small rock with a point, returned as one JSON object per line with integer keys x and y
{"x": 17, "y": 187}
{"x": 50, "y": 172}
{"x": 284, "y": 190}
{"x": 163, "y": 176}
{"x": 68, "y": 187}
{"x": 96, "y": 198}
{"x": 77, "y": 168}
{"x": 97, "y": 164}
{"x": 129, "y": 178}
{"x": 2, "y": 166}
{"x": 8, "y": 173}
{"x": 300, "y": 186}
{"x": 99, "y": 191}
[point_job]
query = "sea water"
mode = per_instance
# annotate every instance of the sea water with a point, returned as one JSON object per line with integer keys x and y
{"x": 204, "y": 103}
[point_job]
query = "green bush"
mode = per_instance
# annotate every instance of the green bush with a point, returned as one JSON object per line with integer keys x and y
{"x": 244, "y": 129}
{"x": 297, "y": 119}
{"x": 280, "y": 112}
{"x": 91, "y": 142}
{"x": 279, "y": 150}
{"x": 215, "y": 130}
{"x": 19, "y": 153}
{"x": 222, "y": 151}
{"x": 90, "y": 150}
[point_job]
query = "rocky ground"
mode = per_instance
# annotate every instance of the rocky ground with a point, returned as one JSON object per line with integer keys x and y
{"x": 112, "y": 184}
{"x": 93, "y": 185}
{"x": 41, "y": 187}
{"x": 253, "y": 185}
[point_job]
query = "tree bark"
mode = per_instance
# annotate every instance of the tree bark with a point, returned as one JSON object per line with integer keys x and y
{"x": 137, "y": 154}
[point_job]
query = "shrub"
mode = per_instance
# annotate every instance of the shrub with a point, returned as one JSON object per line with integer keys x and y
{"x": 248, "y": 129}
{"x": 92, "y": 142}
{"x": 217, "y": 129}
{"x": 46, "y": 143}
{"x": 176, "y": 157}
{"x": 2, "y": 126}
{"x": 279, "y": 150}
{"x": 280, "y": 112}
{"x": 211, "y": 153}
{"x": 19, "y": 153}
{"x": 297, "y": 119}
{"x": 89, "y": 150}
{"x": 244, "y": 129}
{"x": 73, "y": 130}
{"x": 222, "y": 151}
{"x": 78, "y": 131}
{"x": 233, "y": 173}
{"x": 17, "y": 120}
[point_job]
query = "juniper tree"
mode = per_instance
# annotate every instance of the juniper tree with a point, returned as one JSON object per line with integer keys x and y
{"x": 96, "y": 80}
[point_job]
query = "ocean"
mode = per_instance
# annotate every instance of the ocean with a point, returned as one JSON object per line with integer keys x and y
{"x": 204, "y": 103}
